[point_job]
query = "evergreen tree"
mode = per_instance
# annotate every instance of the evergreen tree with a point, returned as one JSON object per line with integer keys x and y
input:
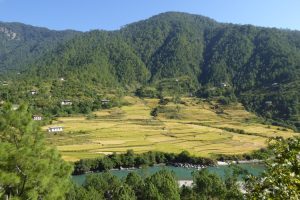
{"x": 29, "y": 169}
{"x": 208, "y": 186}
{"x": 282, "y": 177}
{"x": 124, "y": 192}
{"x": 136, "y": 183}
{"x": 162, "y": 185}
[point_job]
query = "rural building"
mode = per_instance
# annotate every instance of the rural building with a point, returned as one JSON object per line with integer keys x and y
{"x": 37, "y": 118}
{"x": 62, "y": 79}
{"x": 33, "y": 92}
{"x": 55, "y": 129}
{"x": 105, "y": 101}
{"x": 186, "y": 183}
{"x": 4, "y": 83}
{"x": 66, "y": 103}
{"x": 274, "y": 84}
{"x": 15, "y": 106}
{"x": 224, "y": 85}
{"x": 268, "y": 103}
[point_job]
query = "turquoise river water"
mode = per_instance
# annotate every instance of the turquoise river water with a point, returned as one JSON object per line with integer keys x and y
{"x": 180, "y": 172}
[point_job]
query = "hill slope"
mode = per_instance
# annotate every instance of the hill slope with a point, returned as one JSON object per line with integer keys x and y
{"x": 260, "y": 66}
{"x": 21, "y": 44}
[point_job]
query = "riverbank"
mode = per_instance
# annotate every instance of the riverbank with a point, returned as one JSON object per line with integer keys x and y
{"x": 221, "y": 163}
{"x": 218, "y": 163}
{"x": 132, "y": 160}
{"x": 186, "y": 183}
{"x": 181, "y": 173}
{"x": 189, "y": 183}
{"x": 188, "y": 165}
{"x": 180, "y": 165}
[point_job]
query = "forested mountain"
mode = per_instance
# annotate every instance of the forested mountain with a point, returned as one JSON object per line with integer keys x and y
{"x": 20, "y": 44}
{"x": 97, "y": 56}
{"x": 260, "y": 66}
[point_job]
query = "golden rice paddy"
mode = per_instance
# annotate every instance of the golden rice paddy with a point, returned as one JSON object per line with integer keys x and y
{"x": 199, "y": 128}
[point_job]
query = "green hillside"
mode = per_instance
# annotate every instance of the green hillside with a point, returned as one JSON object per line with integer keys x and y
{"x": 171, "y": 53}
{"x": 21, "y": 44}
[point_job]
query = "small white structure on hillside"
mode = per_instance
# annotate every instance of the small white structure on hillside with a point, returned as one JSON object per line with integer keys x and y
{"x": 55, "y": 129}
{"x": 15, "y": 107}
{"x": 224, "y": 85}
{"x": 268, "y": 103}
{"x": 37, "y": 118}
{"x": 66, "y": 103}
{"x": 33, "y": 92}
{"x": 105, "y": 101}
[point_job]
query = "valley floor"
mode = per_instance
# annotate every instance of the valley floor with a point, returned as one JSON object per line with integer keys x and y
{"x": 200, "y": 127}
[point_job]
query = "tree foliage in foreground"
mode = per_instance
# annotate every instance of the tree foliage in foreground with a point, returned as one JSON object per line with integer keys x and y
{"x": 159, "y": 186}
{"x": 28, "y": 169}
{"x": 281, "y": 179}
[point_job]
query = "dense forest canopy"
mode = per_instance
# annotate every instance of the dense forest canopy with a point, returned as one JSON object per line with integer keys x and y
{"x": 21, "y": 44}
{"x": 258, "y": 66}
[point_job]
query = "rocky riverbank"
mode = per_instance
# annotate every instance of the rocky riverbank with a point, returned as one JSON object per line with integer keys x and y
{"x": 188, "y": 165}
{"x": 220, "y": 163}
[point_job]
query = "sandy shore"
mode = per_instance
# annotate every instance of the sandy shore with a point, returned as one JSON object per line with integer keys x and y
{"x": 187, "y": 183}
{"x": 220, "y": 163}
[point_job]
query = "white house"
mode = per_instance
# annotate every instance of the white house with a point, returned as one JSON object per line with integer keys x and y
{"x": 15, "y": 107}
{"x": 37, "y": 118}
{"x": 223, "y": 84}
{"x": 33, "y": 92}
{"x": 268, "y": 103}
{"x": 55, "y": 129}
{"x": 66, "y": 103}
{"x": 105, "y": 101}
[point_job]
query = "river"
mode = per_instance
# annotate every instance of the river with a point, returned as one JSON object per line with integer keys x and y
{"x": 181, "y": 173}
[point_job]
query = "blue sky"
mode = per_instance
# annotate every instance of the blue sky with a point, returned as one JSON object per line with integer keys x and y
{"x": 85, "y": 15}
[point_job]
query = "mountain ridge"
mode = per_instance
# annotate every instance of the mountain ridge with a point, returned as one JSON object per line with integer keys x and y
{"x": 198, "y": 52}
{"x": 28, "y": 42}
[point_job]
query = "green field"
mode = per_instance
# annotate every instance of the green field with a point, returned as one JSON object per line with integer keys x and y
{"x": 202, "y": 128}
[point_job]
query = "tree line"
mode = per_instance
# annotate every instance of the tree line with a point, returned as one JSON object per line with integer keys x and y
{"x": 130, "y": 159}
{"x": 161, "y": 185}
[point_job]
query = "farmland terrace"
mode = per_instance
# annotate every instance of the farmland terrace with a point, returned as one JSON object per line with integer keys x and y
{"x": 200, "y": 127}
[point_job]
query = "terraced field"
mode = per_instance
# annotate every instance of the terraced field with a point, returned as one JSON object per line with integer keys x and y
{"x": 202, "y": 128}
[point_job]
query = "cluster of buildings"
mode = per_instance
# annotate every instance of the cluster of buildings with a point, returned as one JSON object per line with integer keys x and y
{"x": 55, "y": 129}
{"x": 66, "y": 102}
